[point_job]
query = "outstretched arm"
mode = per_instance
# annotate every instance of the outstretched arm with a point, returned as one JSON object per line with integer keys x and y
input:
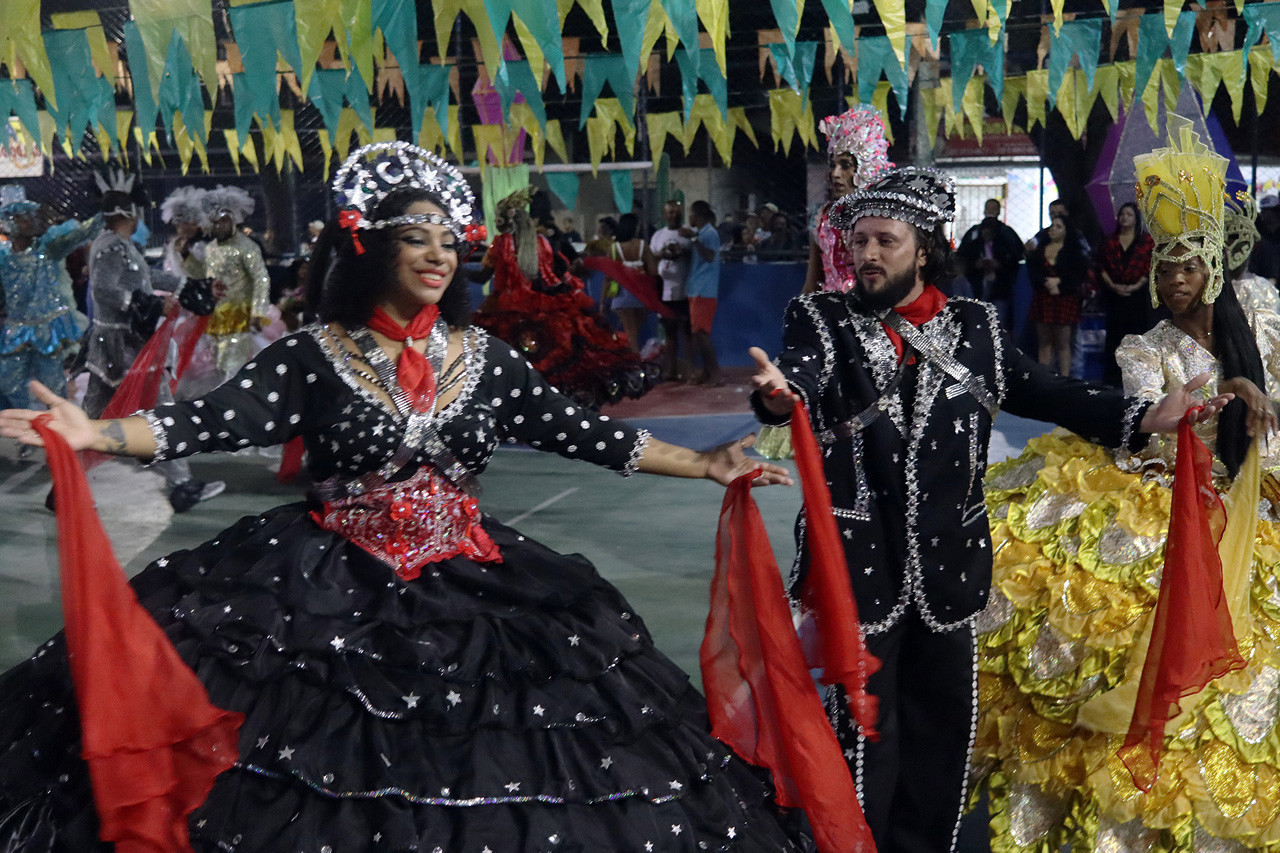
{"x": 724, "y": 464}
{"x": 122, "y": 437}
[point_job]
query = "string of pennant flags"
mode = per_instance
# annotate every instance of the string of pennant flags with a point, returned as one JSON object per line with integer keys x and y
{"x": 347, "y": 57}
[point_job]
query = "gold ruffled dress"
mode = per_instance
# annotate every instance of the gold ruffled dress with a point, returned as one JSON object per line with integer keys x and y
{"x": 1078, "y": 539}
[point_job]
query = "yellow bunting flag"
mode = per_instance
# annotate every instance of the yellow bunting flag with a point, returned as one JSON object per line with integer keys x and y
{"x": 325, "y": 145}
{"x": 611, "y": 110}
{"x": 1208, "y": 71}
{"x": 971, "y": 104}
{"x": 594, "y": 10}
{"x": 1261, "y": 64}
{"x": 159, "y": 21}
{"x": 446, "y": 12}
{"x": 555, "y": 140}
{"x": 738, "y": 118}
{"x": 1106, "y": 85}
{"x": 660, "y": 126}
{"x": 600, "y": 140}
{"x": 1126, "y": 75}
{"x": 893, "y": 15}
{"x": 532, "y": 50}
{"x": 491, "y": 140}
{"x": 349, "y": 122}
{"x": 706, "y": 112}
{"x": 1015, "y": 90}
{"x": 880, "y": 100}
{"x": 1037, "y": 94}
{"x": 714, "y": 15}
{"x": 124, "y": 119}
{"x": 20, "y": 41}
{"x": 929, "y": 98}
{"x": 789, "y": 114}
{"x": 521, "y": 118}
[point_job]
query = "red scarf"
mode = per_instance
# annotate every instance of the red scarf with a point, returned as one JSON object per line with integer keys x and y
{"x": 923, "y": 309}
{"x": 1192, "y": 641}
{"x": 412, "y": 368}
{"x": 152, "y": 739}
{"x": 760, "y": 695}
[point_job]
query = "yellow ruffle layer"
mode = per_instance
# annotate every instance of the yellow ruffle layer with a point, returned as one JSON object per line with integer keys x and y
{"x": 1079, "y": 545}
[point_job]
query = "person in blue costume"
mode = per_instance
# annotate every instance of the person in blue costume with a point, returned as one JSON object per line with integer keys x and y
{"x": 414, "y": 675}
{"x": 40, "y": 325}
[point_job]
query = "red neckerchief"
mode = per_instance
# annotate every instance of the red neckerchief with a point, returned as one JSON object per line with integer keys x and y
{"x": 412, "y": 368}
{"x": 920, "y": 311}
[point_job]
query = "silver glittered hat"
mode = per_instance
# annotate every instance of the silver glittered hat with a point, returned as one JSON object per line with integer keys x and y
{"x": 372, "y": 172}
{"x": 925, "y": 198}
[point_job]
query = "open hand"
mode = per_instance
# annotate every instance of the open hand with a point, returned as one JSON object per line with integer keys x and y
{"x": 1166, "y": 414}
{"x": 66, "y": 418}
{"x": 775, "y": 393}
{"x": 1261, "y": 419}
{"x": 728, "y": 462}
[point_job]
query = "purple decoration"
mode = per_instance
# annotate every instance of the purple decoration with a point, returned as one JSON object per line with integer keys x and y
{"x": 1131, "y": 135}
{"x": 489, "y": 104}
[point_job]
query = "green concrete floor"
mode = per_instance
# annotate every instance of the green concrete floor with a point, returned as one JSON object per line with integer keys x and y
{"x": 653, "y": 537}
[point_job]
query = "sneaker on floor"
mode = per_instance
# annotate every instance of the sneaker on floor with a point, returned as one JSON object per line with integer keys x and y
{"x": 186, "y": 495}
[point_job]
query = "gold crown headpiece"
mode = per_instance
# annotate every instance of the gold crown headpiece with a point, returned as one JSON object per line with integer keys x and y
{"x": 1240, "y": 227}
{"x": 1180, "y": 189}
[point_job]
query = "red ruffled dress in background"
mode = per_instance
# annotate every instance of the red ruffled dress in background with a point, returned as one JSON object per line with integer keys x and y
{"x": 555, "y": 324}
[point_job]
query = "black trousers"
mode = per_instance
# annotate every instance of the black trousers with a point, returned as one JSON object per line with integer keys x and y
{"x": 912, "y": 782}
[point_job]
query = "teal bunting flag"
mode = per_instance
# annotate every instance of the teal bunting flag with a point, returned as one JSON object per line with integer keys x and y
{"x": 84, "y": 98}
{"x": 969, "y": 49}
{"x": 1262, "y": 16}
{"x": 797, "y": 66}
{"x": 629, "y": 19}
{"x": 565, "y": 187}
{"x": 683, "y": 15}
{"x": 325, "y": 93}
{"x": 876, "y": 58}
{"x": 180, "y": 91}
{"x": 516, "y": 78}
{"x": 543, "y": 22}
{"x": 597, "y": 69}
{"x": 19, "y": 97}
{"x": 264, "y": 31}
{"x": 786, "y": 13}
{"x": 398, "y": 21}
{"x": 1076, "y": 38}
{"x": 841, "y": 18}
{"x": 934, "y": 12}
{"x": 624, "y": 191}
{"x": 706, "y": 69}
{"x": 435, "y": 89}
{"x": 144, "y": 101}
{"x": 357, "y": 95}
{"x": 1153, "y": 39}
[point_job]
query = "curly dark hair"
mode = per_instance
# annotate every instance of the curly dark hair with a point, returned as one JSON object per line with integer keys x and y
{"x": 937, "y": 253}
{"x": 345, "y": 285}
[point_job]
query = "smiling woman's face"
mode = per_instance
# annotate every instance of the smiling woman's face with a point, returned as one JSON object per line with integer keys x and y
{"x": 1180, "y": 281}
{"x": 426, "y": 263}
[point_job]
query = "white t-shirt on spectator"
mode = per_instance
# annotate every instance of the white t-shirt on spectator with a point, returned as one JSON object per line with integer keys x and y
{"x": 674, "y": 273}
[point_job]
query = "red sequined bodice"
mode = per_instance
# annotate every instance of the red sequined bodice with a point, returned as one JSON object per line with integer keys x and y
{"x": 424, "y": 519}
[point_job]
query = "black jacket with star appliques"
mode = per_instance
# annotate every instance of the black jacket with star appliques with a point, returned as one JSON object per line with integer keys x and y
{"x": 907, "y": 489}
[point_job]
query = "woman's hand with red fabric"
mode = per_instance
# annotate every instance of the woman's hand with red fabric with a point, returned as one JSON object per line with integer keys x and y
{"x": 65, "y": 418}
{"x": 728, "y": 462}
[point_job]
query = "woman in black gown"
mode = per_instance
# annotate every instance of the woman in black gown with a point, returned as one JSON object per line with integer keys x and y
{"x": 413, "y": 674}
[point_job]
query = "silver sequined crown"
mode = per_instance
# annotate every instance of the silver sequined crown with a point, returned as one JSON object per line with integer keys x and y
{"x": 373, "y": 171}
{"x": 925, "y": 198}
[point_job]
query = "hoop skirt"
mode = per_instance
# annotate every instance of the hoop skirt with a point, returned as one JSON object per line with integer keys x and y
{"x": 1079, "y": 544}
{"x": 555, "y": 324}
{"x": 505, "y": 704}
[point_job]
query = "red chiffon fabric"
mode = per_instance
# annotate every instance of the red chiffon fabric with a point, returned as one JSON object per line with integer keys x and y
{"x": 637, "y": 284}
{"x": 151, "y": 738}
{"x": 760, "y": 696}
{"x": 1192, "y": 641}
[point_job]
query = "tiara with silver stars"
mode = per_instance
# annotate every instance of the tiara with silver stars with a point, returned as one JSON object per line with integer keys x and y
{"x": 374, "y": 171}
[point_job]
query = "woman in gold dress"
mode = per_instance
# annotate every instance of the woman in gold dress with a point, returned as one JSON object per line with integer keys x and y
{"x": 1080, "y": 549}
